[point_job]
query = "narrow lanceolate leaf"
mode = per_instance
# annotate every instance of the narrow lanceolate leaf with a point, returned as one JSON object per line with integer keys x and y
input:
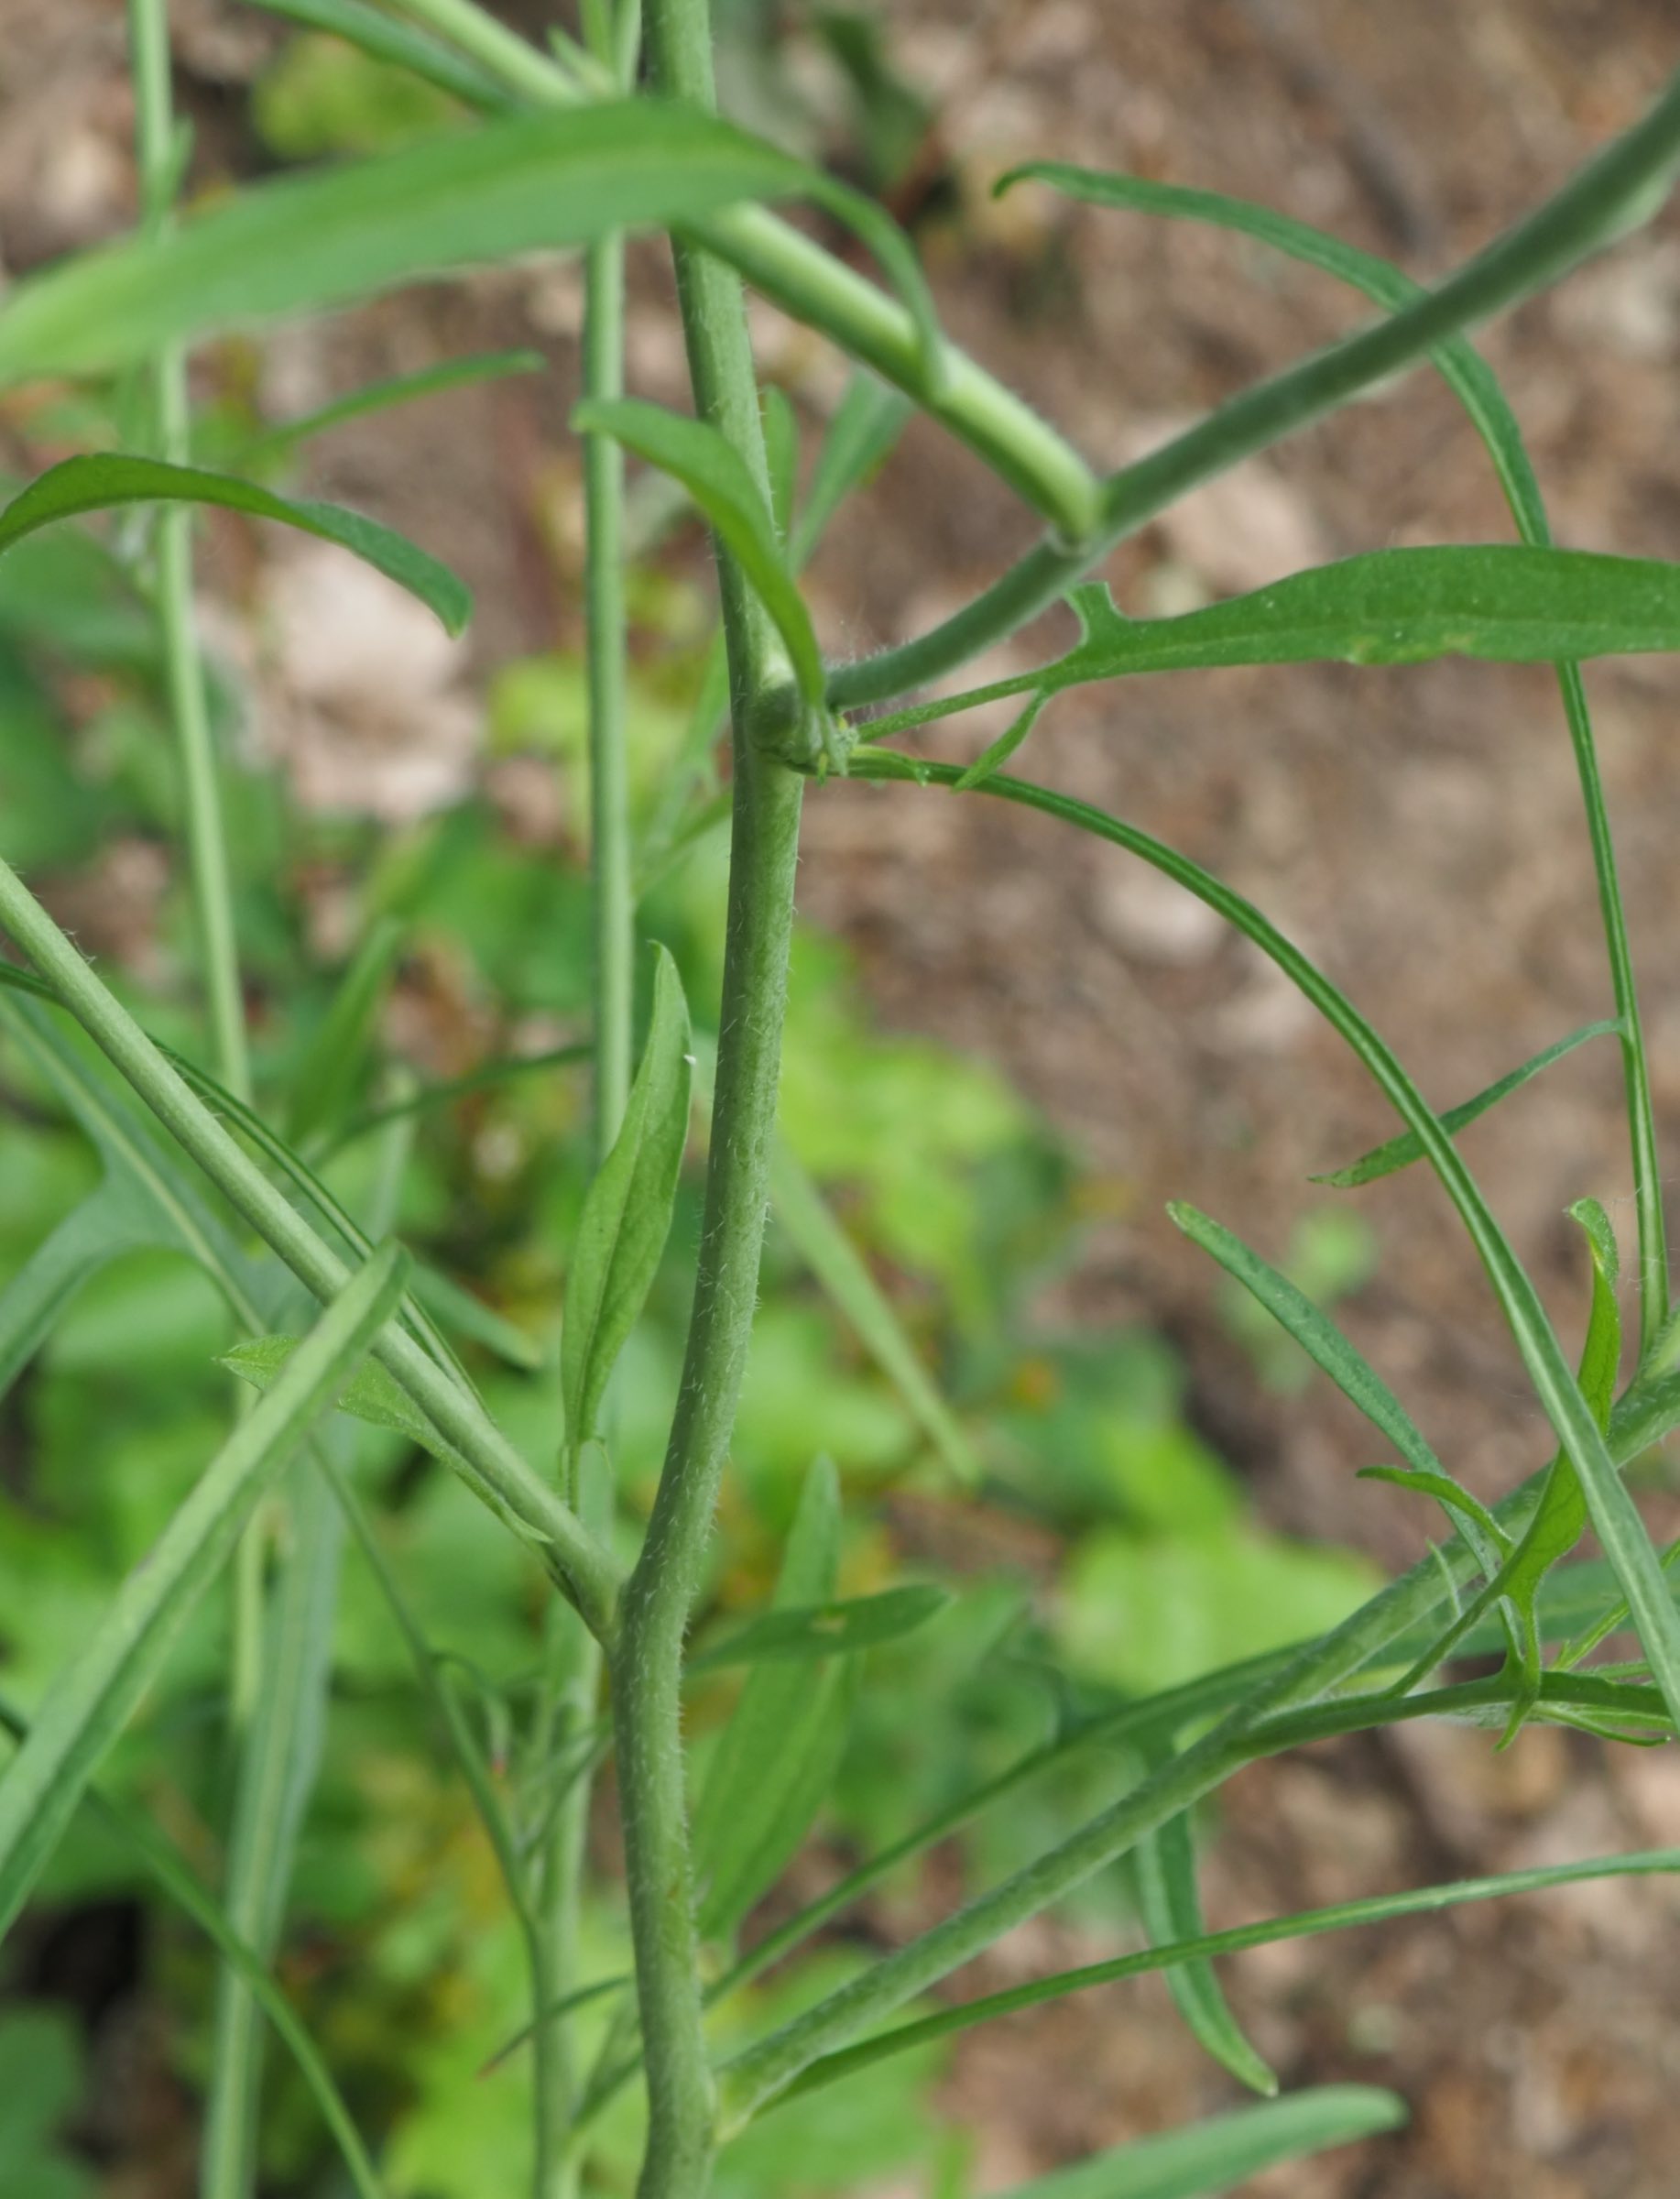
{"x": 806, "y": 1631}
{"x": 325, "y": 1077}
{"x": 777, "y": 1756}
{"x": 398, "y": 390}
{"x": 110, "y": 478}
{"x": 626, "y": 1214}
{"x": 88, "y": 1705}
{"x": 1457, "y": 1503}
{"x": 278, "y": 1759}
{"x": 867, "y": 422}
{"x": 92, "y": 1234}
{"x": 1314, "y": 1331}
{"x": 1505, "y": 602}
{"x": 1170, "y": 1901}
{"x": 1561, "y": 1520}
{"x": 1220, "y": 2155}
{"x": 1352, "y": 1374}
{"x": 781, "y": 455}
{"x": 1004, "y": 746}
{"x": 1400, "y": 1153}
{"x": 714, "y": 473}
{"x": 178, "y": 1880}
{"x": 1560, "y": 1517}
{"x": 843, "y": 1274}
{"x": 525, "y": 184}
{"x": 1311, "y": 1923}
{"x": 370, "y": 1394}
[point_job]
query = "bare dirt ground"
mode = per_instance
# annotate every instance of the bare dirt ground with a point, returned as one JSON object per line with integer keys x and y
{"x": 1416, "y": 829}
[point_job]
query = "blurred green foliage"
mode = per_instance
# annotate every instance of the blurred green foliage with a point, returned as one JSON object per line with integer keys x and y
{"x": 322, "y": 96}
{"x": 1111, "y": 1539}
{"x": 1124, "y": 1540}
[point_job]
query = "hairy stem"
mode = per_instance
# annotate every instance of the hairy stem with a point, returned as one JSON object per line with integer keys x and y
{"x": 612, "y": 886}
{"x": 659, "y": 1595}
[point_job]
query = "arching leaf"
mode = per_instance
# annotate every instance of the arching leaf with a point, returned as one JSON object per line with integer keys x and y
{"x": 110, "y": 478}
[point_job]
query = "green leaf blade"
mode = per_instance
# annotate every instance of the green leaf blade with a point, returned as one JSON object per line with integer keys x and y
{"x": 1508, "y": 603}
{"x": 1399, "y": 1153}
{"x": 107, "y": 480}
{"x": 628, "y": 1210}
{"x": 841, "y": 1269}
{"x": 88, "y": 1705}
{"x": 326, "y": 1074}
{"x": 1502, "y": 601}
{"x": 1171, "y": 1903}
{"x": 370, "y": 1396}
{"x": 867, "y": 425}
{"x": 519, "y": 185}
{"x": 805, "y": 1631}
{"x": 780, "y": 1750}
{"x": 1221, "y": 2154}
{"x": 1314, "y": 1331}
{"x": 285, "y": 436}
{"x": 715, "y": 475}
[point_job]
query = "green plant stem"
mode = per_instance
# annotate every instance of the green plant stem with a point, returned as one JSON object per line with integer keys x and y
{"x": 812, "y": 286}
{"x": 573, "y": 1663}
{"x": 158, "y": 150}
{"x": 228, "y": 2162}
{"x": 659, "y": 1595}
{"x": 582, "y": 1565}
{"x": 1402, "y": 1613}
{"x": 1588, "y": 210}
{"x": 157, "y": 147}
{"x": 1653, "y": 1283}
{"x": 611, "y": 881}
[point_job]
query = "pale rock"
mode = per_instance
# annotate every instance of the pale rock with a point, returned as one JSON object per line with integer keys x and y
{"x": 1237, "y": 532}
{"x": 367, "y": 714}
{"x": 1628, "y": 304}
{"x": 1149, "y": 917}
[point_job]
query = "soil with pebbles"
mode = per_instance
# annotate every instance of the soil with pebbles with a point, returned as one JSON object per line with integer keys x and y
{"x": 1417, "y": 829}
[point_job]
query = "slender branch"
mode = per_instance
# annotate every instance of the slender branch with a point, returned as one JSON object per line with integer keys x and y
{"x": 660, "y": 1593}
{"x": 812, "y": 285}
{"x": 572, "y": 1665}
{"x": 158, "y": 145}
{"x": 258, "y": 1719}
{"x": 612, "y": 885}
{"x": 1653, "y": 1283}
{"x": 1596, "y": 202}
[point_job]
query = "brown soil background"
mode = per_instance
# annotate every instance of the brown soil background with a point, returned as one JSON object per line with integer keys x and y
{"x": 1416, "y": 829}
